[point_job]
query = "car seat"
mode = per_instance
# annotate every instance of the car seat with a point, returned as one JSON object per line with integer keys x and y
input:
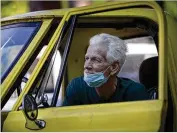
{"x": 148, "y": 76}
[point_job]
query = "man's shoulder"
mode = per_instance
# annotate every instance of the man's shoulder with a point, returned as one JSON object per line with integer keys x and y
{"x": 76, "y": 85}
{"x": 131, "y": 85}
{"x": 134, "y": 90}
{"x": 78, "y": 79}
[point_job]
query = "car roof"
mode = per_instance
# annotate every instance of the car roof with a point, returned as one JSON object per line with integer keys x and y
{"x": 39, "y": 14}
{"x": 47, "y": 13}
{"x": 55, "y": 12}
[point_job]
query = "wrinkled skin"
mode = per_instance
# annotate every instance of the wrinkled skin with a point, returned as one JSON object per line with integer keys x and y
{"x": 95, "y": 61}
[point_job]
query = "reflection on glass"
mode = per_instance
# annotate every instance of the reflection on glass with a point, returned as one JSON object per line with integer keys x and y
{"x": 12, "y": 41}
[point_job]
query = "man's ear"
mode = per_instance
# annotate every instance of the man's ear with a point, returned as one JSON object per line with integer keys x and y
{"x": 115, "y": 68}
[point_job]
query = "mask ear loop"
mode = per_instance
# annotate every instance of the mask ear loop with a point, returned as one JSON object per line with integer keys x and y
{"x": 119, "y": 69}
{"x": 111, "y": 72}
{"x": 106, "y": 70}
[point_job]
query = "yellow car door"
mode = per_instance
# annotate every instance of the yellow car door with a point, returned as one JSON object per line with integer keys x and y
{"x": 20, "y": 39}
{"x": 148, "y": 115}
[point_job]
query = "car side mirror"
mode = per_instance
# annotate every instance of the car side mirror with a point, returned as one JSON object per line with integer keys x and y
{"x": 30, "y": 111}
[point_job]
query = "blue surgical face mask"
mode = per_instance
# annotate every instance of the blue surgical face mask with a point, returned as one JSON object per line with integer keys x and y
{"x": 96, "y": 79}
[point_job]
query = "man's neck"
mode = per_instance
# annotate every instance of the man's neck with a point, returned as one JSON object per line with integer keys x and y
{"x": 108, "y": 88}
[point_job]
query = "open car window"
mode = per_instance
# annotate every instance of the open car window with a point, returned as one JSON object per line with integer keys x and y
{"x": 139, "y": 49}
{"x": 140, "y": 35}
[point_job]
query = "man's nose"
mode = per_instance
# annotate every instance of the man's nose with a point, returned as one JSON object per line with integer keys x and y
{"x": 88, "y": 65}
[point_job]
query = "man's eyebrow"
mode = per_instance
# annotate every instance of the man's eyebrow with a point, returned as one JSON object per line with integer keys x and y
{"x": 99, "y": 57}
{"x": 94, "y": 56}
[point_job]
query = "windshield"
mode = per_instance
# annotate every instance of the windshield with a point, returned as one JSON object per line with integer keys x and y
{"x": 14, "y": 40}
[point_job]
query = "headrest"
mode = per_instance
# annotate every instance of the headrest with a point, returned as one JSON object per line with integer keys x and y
{"x": 148, "y": 72}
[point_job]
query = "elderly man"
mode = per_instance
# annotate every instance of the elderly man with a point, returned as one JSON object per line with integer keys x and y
{"x": 104, "y": 58}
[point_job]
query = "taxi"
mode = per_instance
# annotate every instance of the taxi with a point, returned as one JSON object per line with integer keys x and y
{"x": 41, "y": 52}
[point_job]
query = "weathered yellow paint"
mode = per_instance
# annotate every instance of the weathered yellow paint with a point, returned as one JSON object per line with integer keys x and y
{"x": 3, "y": 23}
{"x": 172, "y": 62}
{"x": 125, "y": 116}
{"x": 132, "y": 12}
{"x": 171, "y": 8}
{"x": 9, "y": 81}
{"x": 37, "y": 15}
{"x": 94, "y": 2}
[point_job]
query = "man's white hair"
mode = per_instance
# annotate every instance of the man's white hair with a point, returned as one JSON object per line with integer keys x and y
{"x": 116, "y": 47}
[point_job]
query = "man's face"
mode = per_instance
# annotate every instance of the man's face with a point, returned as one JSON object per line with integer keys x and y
{"x": 95, "y": 59}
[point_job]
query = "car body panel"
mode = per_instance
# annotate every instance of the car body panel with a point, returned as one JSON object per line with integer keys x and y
{"x": 129, "y": 116}
{"x": 126, "y": 116}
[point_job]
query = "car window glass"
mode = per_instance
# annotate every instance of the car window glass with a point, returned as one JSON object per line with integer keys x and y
{"x": 14, "y": 39}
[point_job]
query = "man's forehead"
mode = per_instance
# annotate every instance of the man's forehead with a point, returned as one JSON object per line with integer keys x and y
{"x": 96, "y": 50}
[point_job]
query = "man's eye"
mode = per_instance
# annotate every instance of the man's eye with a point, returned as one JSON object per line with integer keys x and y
{"x": 98, "y": 60}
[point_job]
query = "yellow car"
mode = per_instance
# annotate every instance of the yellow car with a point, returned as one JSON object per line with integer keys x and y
{"x": 41, "y": 52}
